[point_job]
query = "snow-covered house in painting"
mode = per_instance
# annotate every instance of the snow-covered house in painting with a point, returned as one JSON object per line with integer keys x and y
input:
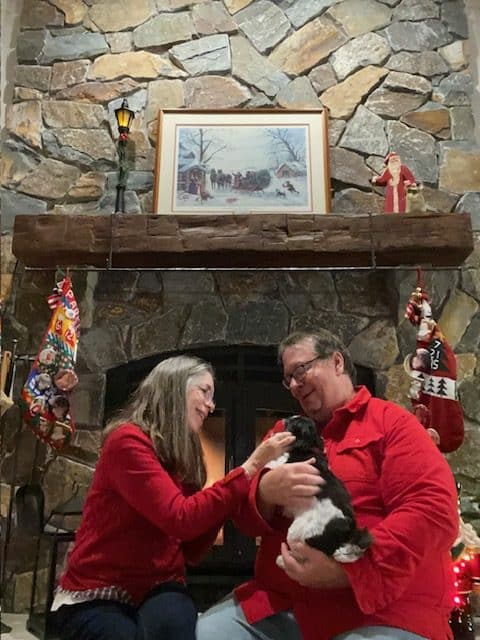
{"x": 291, "y": 170}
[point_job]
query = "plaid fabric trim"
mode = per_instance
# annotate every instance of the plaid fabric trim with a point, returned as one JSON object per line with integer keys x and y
{"x": 100, "y": 593}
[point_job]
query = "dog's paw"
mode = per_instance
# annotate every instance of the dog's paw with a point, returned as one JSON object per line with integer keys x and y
{"x": 280, "y": 563}
{"x": 348, "y": 553}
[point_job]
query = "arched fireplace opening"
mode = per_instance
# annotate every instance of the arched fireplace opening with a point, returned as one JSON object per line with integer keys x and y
{"x": 249, "y": 400}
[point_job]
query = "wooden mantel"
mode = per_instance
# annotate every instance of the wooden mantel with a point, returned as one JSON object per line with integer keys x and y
{"x": 242, "y": 241}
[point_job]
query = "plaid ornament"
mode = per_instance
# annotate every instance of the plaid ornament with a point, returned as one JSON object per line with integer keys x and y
{"x": 433, "y": 370}
{"x": 45, "y": 397}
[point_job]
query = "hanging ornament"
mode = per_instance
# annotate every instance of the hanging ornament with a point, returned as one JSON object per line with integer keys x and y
{"x": 464, "y": 566}
{"x": 461, "y": 620}
{"x": 45, "y": 397}
{"x": 469, "y": 542}
{"x": 463, "y": 577}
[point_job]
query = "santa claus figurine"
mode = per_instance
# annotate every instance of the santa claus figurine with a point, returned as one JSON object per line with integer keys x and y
{"x": 396, "y": 177}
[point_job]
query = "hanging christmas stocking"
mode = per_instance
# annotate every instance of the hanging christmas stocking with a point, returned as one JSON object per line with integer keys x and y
{"x": 433, "y": 369}
{"x": 46, "y": 393}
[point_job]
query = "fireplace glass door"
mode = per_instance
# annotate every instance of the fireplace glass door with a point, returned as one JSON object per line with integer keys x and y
{"x": 243, "y": 415}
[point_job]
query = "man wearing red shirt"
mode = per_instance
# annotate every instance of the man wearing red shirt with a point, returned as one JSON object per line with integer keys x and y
{"x": 402, "y": 489}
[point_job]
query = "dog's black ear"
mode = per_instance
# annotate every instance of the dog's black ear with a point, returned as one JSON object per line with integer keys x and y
{"x": 292, "y": 422}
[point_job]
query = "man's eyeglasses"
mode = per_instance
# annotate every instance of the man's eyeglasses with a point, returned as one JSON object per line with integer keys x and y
{"x": 299, "y": 373}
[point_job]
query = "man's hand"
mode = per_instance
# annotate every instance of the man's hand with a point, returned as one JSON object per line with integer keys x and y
{"x": 290, "y": 485}
{"x": 312, "y": 568}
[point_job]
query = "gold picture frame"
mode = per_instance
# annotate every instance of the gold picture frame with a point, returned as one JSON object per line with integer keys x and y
{"x": 242, "y": 161}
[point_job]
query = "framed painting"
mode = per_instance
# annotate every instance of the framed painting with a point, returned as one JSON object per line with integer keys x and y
{"x": 242, "y": 161}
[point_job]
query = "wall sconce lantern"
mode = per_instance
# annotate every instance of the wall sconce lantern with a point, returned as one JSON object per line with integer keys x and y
{"x": 124, "y": 117}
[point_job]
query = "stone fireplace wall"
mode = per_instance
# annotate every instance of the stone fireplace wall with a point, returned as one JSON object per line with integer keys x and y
{"x": 394, "y": 75}
{"x": 128, "y": 316}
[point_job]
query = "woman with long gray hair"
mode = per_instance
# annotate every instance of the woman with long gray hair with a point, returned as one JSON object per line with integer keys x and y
{"x": 146, "y": 514}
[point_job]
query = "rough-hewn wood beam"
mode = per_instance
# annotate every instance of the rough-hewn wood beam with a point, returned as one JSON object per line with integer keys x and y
{"x": 247, "y": 240}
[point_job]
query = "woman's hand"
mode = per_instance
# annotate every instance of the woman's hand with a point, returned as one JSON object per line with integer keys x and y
{"x": 310, "y": 567}
{"x": 268, "y": 450}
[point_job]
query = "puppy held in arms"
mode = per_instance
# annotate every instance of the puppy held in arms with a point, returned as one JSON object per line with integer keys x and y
{"x": 329, "y": 523}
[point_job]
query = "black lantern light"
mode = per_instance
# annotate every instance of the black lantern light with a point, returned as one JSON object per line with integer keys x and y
{"x": 124, "y": 117}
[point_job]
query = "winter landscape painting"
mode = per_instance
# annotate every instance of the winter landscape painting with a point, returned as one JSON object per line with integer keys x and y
{"x": 241, "y": 162}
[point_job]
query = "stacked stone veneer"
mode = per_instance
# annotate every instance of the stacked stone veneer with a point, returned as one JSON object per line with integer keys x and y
{"x": 393, "y": 74}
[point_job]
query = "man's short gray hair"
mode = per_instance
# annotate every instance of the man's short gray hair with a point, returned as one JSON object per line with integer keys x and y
{"x": 324, "y": 344}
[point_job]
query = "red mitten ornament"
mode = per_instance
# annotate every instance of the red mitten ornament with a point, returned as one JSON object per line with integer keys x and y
{"x": 46, "y": 393}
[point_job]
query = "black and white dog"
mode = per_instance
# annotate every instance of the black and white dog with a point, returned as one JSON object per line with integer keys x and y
{"x": 329, "y": 523}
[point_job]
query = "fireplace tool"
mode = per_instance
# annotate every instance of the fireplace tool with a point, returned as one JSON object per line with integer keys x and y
{"x": 30, "y": 501}
{"x": 7, "y": 376}
{"x": 8, "y": 382}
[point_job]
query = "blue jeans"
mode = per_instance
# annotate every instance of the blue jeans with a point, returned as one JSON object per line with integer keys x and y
{"x": 226, "y": 621}
{"x": 379, "y": 633}
{"x": 165, "y": 614}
